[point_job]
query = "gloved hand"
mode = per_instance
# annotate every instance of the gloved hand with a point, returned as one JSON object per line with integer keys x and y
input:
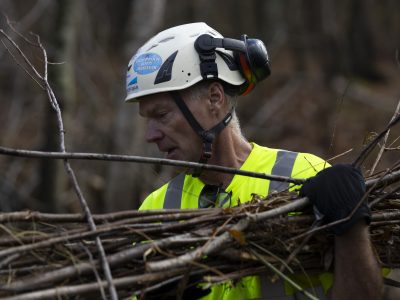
{"x": 335, "y": 192}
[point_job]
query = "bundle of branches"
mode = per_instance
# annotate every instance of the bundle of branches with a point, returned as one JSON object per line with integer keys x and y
{"x": 49, "y": 255}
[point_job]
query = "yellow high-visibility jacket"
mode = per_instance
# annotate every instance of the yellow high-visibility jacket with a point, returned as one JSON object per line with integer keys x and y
{"x": 183, "y": 192}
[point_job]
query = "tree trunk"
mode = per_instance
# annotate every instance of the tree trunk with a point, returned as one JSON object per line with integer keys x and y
{"x": 126, "y": 181}
{"x": 361, "y": 48}
{"x": 51, "y": 184}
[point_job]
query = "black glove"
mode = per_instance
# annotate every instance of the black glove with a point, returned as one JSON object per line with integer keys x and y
{"x": 335, "y": 192}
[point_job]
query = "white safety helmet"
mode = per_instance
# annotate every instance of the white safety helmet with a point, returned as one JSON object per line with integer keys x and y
{"x": 170, "y": 62}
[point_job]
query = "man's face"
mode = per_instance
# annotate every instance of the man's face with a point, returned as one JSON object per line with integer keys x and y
{"x": 168, "y": 128}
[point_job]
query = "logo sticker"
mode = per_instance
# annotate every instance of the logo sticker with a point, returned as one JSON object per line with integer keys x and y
{"x": 133, "y": 81}
{"x": 147, "y": 63}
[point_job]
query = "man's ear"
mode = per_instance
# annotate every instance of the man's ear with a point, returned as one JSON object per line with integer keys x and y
{"x": 217, "y": 97}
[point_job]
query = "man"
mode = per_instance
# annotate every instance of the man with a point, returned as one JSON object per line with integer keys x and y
{"x": 186, "y": 80}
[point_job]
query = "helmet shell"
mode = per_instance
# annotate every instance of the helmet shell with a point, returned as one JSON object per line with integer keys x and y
{"x": 173, "y": 46}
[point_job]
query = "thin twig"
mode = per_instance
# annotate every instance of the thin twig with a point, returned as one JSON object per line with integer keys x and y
{"x": 337, "y": 114}
{"x": 19, "y": 64}
{"x": 367, "y": 150}
{"x": 142, "y": 159}
{"x": 96, "y": 274}
{"x": 284, "y": 263}
{"x": 135, "y": 216}
{"x": 283, "y": 276}
{"x": 385, "y": 138}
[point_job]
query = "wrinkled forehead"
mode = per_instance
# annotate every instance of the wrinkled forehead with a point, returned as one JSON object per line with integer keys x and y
{"x": 150, "y": 103}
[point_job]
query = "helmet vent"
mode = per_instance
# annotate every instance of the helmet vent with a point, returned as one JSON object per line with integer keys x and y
{"x": 165, "y": 72}
{"x": 166, "y": 39}
{"x": 152, "y": 46}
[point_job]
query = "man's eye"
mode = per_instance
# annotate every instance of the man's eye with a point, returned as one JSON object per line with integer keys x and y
{"x": 162, "y": 114}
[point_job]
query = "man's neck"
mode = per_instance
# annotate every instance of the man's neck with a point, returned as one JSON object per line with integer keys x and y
{"x": 229, "y": 150}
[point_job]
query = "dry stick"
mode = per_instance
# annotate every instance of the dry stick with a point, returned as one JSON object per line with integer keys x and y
{"x": 27, "y": 61}
{"x": 387, "y": 179}
{"x": 134, "y": 216}
{"x": 8, "y": 260}
{"x": 92, "y": 225}
{"x": 382, "y": 149}
{"x": 186, "y": 259}
{"x": 293, "y": 254}
{"x": 145, "y": 160}
{"x": 96, "y": 274}
{"x": 379, "y": 199}
{"x": 392, "y": 148}
{"x": 337, "y": 114}
{"x": 54, "y": 103}
{"x": 284, "y": 264}
{"x": 367, "y": 150}
{"x": 283, "y": 276}
{"x": 386, "y": 216}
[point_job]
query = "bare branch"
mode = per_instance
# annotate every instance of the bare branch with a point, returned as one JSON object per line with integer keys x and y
{"x": 142, "y": 159}
{"x": 22, "y": 54}
{"x": 385, "y": 138}
{"x": 19, "y": 64}
{"x": 367, "y": 150}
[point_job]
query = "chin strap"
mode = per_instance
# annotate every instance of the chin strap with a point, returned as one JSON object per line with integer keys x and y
{"x": 207, "y": 136}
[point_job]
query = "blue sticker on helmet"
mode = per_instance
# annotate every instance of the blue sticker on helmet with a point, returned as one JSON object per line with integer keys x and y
{"x": 147, "y": 63}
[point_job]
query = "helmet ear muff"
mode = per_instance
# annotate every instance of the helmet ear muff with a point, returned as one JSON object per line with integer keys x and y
{"x": 255, "y": 59}
{"x": 250, "y": 55}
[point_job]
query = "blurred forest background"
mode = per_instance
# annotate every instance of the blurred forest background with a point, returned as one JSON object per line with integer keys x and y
{"x": 334, "y": 83}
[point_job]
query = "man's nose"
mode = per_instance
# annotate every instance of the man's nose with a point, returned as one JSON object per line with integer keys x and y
{"x": 153, "y": 133}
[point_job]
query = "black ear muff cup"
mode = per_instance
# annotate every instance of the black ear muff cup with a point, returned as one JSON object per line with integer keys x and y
{"x": 257, "y": 58}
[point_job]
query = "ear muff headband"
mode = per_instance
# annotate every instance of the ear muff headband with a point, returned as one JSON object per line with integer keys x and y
{"x": 250, "y": 55}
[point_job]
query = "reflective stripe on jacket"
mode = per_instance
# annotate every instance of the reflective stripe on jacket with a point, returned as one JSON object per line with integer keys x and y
{"x": 183, "y": 191}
